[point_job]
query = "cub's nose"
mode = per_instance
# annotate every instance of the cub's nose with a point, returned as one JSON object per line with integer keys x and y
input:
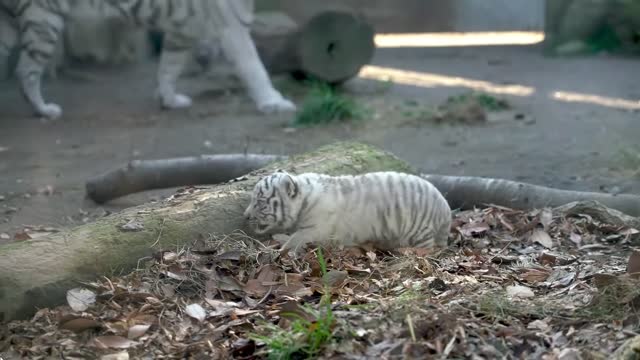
{"x": 247, "y": 214}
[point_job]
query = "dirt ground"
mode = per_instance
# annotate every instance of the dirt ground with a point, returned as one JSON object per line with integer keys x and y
{"x": 111, "y": 117}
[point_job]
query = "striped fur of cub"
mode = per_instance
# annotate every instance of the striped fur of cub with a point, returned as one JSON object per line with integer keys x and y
{"x": 385, "y": 209}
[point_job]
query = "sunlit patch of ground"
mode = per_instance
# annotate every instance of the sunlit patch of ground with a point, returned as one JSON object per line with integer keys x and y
{"x": 448, "y": 39}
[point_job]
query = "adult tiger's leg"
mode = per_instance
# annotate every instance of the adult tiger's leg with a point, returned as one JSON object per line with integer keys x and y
{"x": 175, "y": 52}
{"x": 8, "y": 41}
{"x": 40, "y": 30}
{"x": 240, "y": 49}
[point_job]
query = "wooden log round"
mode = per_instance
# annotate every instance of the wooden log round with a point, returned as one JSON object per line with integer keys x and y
{"x": 332, "y": 46}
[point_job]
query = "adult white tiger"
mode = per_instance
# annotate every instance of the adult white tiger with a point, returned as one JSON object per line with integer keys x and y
{"x": 386, "y": 209}
{"x": 41, "y": 22}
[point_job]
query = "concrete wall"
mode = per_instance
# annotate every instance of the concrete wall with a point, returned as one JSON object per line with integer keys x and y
{"x": 499, "y": 15}
{"x": 426, "y": 15}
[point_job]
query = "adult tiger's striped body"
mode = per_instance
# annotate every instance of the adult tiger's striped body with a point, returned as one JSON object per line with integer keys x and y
{"x": 386, "y": 209}
{"x": 41, "y": 23}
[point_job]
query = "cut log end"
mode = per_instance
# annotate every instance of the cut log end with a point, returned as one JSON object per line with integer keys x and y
{"x": 333, "y": 46}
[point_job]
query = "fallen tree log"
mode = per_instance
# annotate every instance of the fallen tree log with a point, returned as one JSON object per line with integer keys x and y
{"x": 462, "y": 192}
{"x": 142, "y": 175}
{"x": 467, "y": 191}
{"x": 37, "y": 273}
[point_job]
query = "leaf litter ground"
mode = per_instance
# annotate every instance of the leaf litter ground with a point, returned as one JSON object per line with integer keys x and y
{"x": 544, "y": 284}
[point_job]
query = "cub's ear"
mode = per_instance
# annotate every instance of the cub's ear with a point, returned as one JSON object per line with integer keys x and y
{"x": 290, "y": 186}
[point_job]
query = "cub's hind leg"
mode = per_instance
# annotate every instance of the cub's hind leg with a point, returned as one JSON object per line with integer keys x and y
{"x": 175, "y": 52}
{"x": 39, "y": 33}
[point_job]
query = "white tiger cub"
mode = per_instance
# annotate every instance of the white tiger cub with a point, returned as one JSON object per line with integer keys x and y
{"x": 41, "y": 23}
{"x": 385, "y": 209}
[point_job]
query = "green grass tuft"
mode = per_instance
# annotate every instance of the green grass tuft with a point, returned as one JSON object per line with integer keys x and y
{"x": 629, "y": 159}
{"x": 305, "y": 339}
{"x": 325, "y": 104}
{"x": 488, "y": 102}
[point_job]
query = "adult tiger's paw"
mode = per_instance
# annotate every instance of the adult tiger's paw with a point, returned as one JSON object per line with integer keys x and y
{"x": 50, "y": 111}
{"x": 176, "y": 101}
{"x": 276, "y": 105}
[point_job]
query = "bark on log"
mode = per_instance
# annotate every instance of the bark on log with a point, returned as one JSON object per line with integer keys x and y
{"x": 142, "y": 175}
{"x": 37, "y": 273}
{"x": 466, "y": 192}
{"x": 332, "y": 46}
{"x": 462, "y": 192}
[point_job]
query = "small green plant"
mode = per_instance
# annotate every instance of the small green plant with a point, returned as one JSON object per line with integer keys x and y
{"x": 604, "y": 38}
{"x": 629, "y": 159}
{"x": 487, "y": 101}
{"x": 305, "y": 338}
{"x": 325, "y": 104}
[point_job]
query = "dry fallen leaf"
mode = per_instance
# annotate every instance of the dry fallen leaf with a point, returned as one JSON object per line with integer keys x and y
{"x": 542, "y": 237}
{"x": 334, "y": 278}
{"x": 79, "y": 299}
{"x": 633, "y": 266}
{"x": 224, "y": 282}
{"x": 196, "y": 311}
{"x": 519, "y": 291}
{"x": 603, "y": 280}
{"x": 419, "y": 252}
{"x": 534, "y": 276}
{"x": 254, "y": 287}
{"x": 137, "y": 330}
{"x": 546, "y": 218}
{"x": 474, "y": 229}
{"x": 629, "y": 231}
{"x": 21, "y": 236}
{"x": 175, "y": 272}
{"x": 292, "y": 310}
{"x": 294, "y": 289}
{"x": 221, "y": 308}
{"x": 112, "y": 341}
{"x": 80, "y": 324}
{"x": 575, "y": 238}
{"x": 117, "y": 356}
{"x": 169, "y": 256}
{"x": 541, "y": 325}
{"x": 547, "y": 259}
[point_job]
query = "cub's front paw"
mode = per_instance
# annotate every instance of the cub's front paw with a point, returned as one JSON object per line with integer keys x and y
{"x": 282, "y": 239}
